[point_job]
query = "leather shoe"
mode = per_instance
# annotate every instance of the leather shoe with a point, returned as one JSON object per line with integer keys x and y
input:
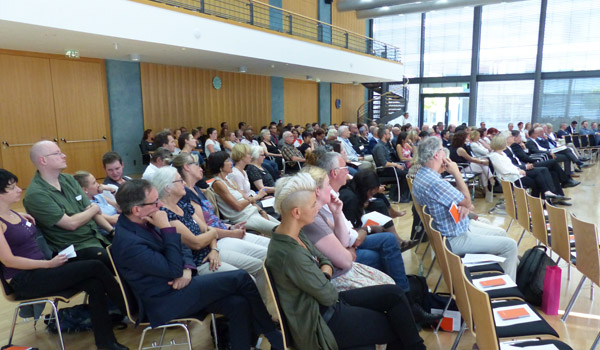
{"x": 571, "y": 183}
{"x": 561, "y": 202}
{"x": 406, "y": 245}
{"x": 422, "y": 316}
{"x": 584, "y": 165}
{"x": 113, "y": 346}
{"x": 578, "y": 170}
{"x": 575, "y": 175}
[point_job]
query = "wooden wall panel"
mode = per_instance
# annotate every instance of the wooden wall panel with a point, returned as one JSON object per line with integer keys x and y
{"x": 81, "y": 107}
{"x": 347, "y": 20}
{"x": 182, "y": 96}
{"x": 301, "y": 101}
{"x": 300, "y": 26}
{"x": 26, "y": 111}
{"x": 351, "y": 97}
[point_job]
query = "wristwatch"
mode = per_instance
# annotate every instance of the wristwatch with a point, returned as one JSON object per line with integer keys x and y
{"x": 217, "y": 250}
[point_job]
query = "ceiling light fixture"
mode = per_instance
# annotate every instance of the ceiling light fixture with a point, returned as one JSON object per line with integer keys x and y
{"x": 135, "y": 57}
{"x": 242, "y": 69}
{"x": 309, "y": 77}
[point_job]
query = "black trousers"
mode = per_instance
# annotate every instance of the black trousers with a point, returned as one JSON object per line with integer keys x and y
{"x": 90, "y": 276}
{"x": 389, "y": 173}
{"x": 536, "y": 181}
{"x": 547, "y": 180}
{"x": 375, "y": 315}
{"x": 562, "y": 157}
{"x": 93, "y": 253}
{"x": 555, "y": 170}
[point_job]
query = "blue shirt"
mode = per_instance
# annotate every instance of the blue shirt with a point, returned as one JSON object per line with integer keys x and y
{"x": 350, "y": 152}
{"x": 104, "y": 206}
{"x": 438, "y": 195}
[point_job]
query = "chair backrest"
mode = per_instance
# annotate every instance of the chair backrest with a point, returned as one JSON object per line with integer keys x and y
{"x": 538, "y": 220}
{"x": 485, "y": 334}
{"x": 509, "y": 199}
{"x": 409, "y": 180}
{"x": 584, "y": 140}
{"x": 457, "y": 271}
{"x": 559, "y": 230}
{"x": 418, "y": 208}
{"x": 586, "y": 246}
{"x": 592, "y": 140}
{"x": 576, "y": 141}
{"x": 127, "y": 294}
{"x": 273, "y": 292}
{"x": 438, "y": 247}
{"x": 522, "y": 208}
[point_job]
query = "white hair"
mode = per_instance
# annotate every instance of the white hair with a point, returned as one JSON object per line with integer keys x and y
{"x": 292, "y": 190}
{"x": 342, "y": 128}
{"x": 285, "y": 134}
{"x": 163, "y": 180}
{"x": 265, "y": 133}
{"x": 332, "y": 133}
{"x": 255, "y": 151}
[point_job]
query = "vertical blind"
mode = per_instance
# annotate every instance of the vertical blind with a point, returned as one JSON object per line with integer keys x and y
{"x": 572, "y": 37}
{"x": 448, "y": 42}
{"x": 403, "y": 31}
{"x": 509, "y": 37}
{"x": 503, "y": 102}
{"x": 570, "y": 99}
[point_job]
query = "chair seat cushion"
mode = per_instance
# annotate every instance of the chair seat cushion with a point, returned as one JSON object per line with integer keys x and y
{"x": 523, "y": 329}
{"x": 495, "y": 267}
{"x": 560, "y": 345}
{"x": 512, "y": 292}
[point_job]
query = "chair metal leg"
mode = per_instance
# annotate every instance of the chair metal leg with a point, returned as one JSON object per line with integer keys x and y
{"x": 463, "y": 326}
{"x": 162, "y": 337}
{"x": 573, "y": 299}
{"x": 14, "y": 323}
{"x": 437, "y": 284}
{"x": 510, "y": 224}
{"x": 430, "y": 267}
{"x": 521, "y": 238}
{"x": 214, "y": 327}
{"x": 420, "y": 241}
{"x": 187, "y": 336}
{"x": 596, "y": 342}
{"x": 55, "y": 310}
{"x": 437, "y": 328}
{"x": 569, "y": 272}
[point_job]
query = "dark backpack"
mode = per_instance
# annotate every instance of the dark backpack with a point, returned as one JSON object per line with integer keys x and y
{"x": 419, "y": 291}
{"x": 72, "y": 319}
{"x": 531, "y": 273}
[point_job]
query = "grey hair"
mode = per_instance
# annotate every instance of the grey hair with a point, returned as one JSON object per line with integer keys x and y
{"x": 255, "y": 151}
{"x": 332, "y": 132}
{"x": 328, "y": 161}
{"x": 285, "y": 134}
{"x": 163, "y": 180}
{"x": 264, "y": 132}
{"x": 428, "y": 147}
{"x": 291, "y": 190}
{"x": 341, "y": 129}
{"x": 506, "y": 134}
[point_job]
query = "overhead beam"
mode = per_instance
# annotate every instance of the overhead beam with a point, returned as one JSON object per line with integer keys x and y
{"x": 423, "y": 6}
{"x": 353, "y": 5}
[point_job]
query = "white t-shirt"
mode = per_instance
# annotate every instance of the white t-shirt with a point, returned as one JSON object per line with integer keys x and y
{"x": 216, "y": 146}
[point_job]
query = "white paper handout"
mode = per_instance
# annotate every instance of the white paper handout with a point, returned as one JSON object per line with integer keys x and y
{"x": 509, "y": 346}
{"x": 479, "y": 259}
{"x": 69, "y": 252}
{"x": 269, "y": 202}
{"x": 480, "y": 283}
{"x": 509, "y": 322}
{"x": 375, "y": 217}
{"x": 355, "y": 163}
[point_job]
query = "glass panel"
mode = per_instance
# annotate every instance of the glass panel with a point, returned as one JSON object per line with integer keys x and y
{"x": 572, "y": 37}
{"x": 509, "y": 37}
{"x": 570, "y": 99}
{"x": 458, "y": 110}
{"x": 412, "y": 95}
{"x": 448, "y": 38}
{"x": 434, "y": 110}
{"x": 403, "y": 31}
{"x": 502, "y": 102}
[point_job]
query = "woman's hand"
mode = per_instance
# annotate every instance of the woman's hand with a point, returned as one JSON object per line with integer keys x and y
{"x": 57, "y": 261}
{"x": 263, "y": 214}
{"x": 213, "y": 259}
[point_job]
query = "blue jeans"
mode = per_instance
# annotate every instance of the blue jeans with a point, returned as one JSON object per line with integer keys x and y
{"x": 381, "y": 251}
{"x": 272, "y": 168}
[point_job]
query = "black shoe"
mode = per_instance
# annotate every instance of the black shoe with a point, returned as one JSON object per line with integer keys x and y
{"x": 584, "y": 165}
{"x": 554, "y": 196}
{"x": 113, "y": 346}
{"x": 571, "y": 183}
{"x": 422, "y": 316}
{"x": 406, "y": 245}
{"x": 584, "y": 159}
{"x": 561, "y": 202}
{"x": 578, "y": 170}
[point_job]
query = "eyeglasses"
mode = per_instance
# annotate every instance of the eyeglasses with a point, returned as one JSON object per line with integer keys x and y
{"x": 341, "y": 168}
{"x": 59, "y": 153}
{"x": 180, "y": 180}
{"x": 229, "y": 160}
{"x": 155, "y": 203}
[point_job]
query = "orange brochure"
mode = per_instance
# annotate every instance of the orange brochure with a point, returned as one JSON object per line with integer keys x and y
{"x": 511, "y": 314}
{"x": 493, "y": 283}
{"x": 454, "y": 212}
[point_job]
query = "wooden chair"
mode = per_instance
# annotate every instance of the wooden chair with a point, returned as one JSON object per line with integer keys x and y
{"x": 522, "y": 211}
{"x": 509, "y": 201}
{"x": 273, "y": 292}
{"x": 538, "y": 219}
{"x": 560, "y": 236}
{"x": 588, "y": 257}
{"x": 485, "y": 332}
{"x": 52, "y": 300}
{"x": 175, "y": 323}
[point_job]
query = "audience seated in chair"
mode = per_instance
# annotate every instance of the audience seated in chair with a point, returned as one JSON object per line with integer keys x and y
{"x": 465, "y": 236}
{"x": 99, "y": 195}
{"x": 383, "y": 155}
{"x": 318, "y": 316}
{"x": 160, "y": 158}
{"x": 31, "y": 276}
{"x": 162, "y": 274}
{"x": 291, "y": 154}
{"x": 113, "y": 166}
{"x": 61, "y": 209}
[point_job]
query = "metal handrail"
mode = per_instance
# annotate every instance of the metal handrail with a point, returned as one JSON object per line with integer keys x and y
{"x": 78, "y": 141}
{"x": 274, "y": 18}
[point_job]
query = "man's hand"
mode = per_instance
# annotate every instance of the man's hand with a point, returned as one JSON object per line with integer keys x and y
{"x": 377, "y": 229}
{"x": 213, "y": 259}
{"x": 158, "y": 219}
{"x": 362, "y": 234}
{"x": 463, "y": 211}
{"x": 94, "y": 208}
{"x": 335, "y": 204}
{"x": 528, "y": 166}
{"x": 183, "y": 281}
{"x": 552, "y": 155}
{"x": 451, "y": 167}
{"x": 327, "y": 270}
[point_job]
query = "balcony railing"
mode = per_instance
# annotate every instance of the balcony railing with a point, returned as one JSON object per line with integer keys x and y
{"x": 269, "y": 17}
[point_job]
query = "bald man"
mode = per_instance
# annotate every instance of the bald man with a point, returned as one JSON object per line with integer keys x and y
{"x": 61, "y": 209}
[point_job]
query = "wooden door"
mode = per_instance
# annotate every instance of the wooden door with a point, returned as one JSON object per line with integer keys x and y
{"x": 26, "y": 111}
{"x": 81, "y": 106}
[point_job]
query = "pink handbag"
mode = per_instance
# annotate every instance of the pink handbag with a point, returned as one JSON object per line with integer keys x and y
{"x": 551, "y": 294}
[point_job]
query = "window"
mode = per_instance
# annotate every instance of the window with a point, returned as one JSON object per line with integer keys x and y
{"x": 448, "y": 41}
{"x": 403, "y": 31}
{"x": 570, "y": 99}
{"x": 509, "y": 37}
{"x": 503, "y": 102}
{"x": 572, "y": 37}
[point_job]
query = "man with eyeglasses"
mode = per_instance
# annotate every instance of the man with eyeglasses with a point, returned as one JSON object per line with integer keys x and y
{"x": 61, "y": 209}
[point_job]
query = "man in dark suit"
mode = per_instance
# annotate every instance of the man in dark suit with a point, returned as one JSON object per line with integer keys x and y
{"x": 160, "y": 270}
{"x": 562, "y": 131}
{"x": 573, "y": 128}
{"x": 534, "y": 147}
